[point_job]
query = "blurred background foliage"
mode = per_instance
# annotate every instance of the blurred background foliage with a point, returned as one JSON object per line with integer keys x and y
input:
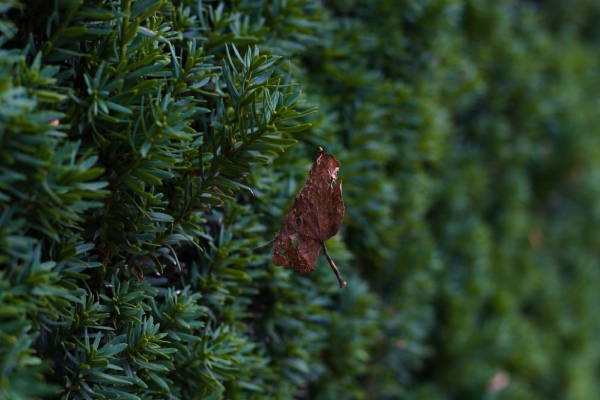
{"x": 150, "y": 149}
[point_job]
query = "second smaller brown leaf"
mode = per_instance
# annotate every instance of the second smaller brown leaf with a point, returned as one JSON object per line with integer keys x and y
{"x": 315, "y": 216}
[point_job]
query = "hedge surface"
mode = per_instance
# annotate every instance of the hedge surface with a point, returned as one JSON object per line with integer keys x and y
{"x": 151, "y": 148}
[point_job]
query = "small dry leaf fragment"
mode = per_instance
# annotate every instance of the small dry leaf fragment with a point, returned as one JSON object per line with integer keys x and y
{"x": 315, "y": 216}
{"x": 498, "y": 382}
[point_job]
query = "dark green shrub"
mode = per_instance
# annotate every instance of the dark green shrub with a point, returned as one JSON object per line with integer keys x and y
{"x": 143, "y": 175}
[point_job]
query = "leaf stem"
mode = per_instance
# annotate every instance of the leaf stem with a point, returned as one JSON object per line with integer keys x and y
{"x": 335, "y": 269}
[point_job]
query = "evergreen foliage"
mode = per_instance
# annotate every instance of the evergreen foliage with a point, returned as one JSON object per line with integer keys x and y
{"x": 151, "y": 148}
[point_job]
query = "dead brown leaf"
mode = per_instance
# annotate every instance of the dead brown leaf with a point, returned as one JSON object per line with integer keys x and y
{"x": 315, "y": 216}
